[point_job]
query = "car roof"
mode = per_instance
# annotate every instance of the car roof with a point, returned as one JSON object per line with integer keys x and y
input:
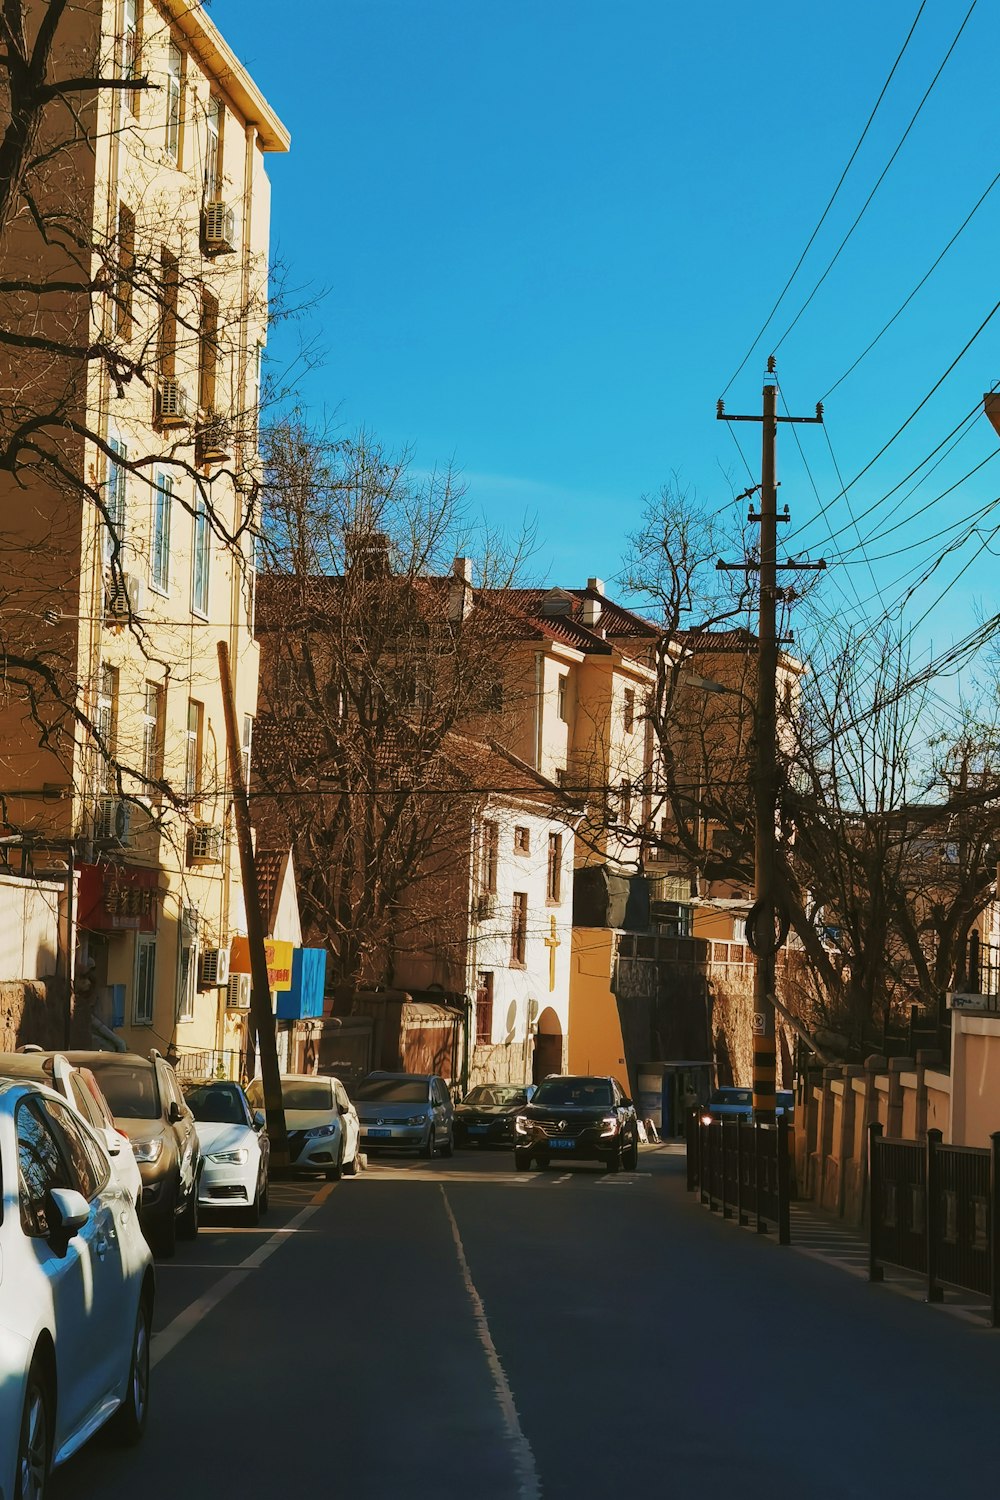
{"x": 577, "y": 1078}
{"x": 102, "y": 1055}
{"x": 17, "y": 1088}
{"x": 417, "y": 1077}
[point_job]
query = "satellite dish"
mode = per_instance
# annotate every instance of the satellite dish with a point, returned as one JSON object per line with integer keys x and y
{"x": 511, "y": 1021}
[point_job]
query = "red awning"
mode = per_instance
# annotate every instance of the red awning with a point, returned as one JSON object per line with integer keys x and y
{"x": 118, "y": 898}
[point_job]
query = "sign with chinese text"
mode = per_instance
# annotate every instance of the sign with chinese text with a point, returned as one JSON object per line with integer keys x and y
{"x": 118, "y": 898}
{"x": 279, "y": 961}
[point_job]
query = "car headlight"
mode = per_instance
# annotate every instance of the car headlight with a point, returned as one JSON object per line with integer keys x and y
{"x": 236, "y": 1158}
{"x": 522, "y": 1124}
{"x": 319, "y": 1130}
{"x": 417, "y": 1120}
{"x": 706, "y": 1118}
{"x": 148, "y": 1151}
{"x": 609, "y": 1124}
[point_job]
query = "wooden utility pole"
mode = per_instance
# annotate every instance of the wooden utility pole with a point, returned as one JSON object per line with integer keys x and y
{"x": 261, "y": 1016}
{"x": 766, "y": 922}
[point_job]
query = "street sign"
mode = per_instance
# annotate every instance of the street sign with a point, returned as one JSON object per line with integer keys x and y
{"x": 960, "y": 1001}
{"x": 759, "y": 1023}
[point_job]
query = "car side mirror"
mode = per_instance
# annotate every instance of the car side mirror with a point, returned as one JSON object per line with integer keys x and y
{"x": 67, "y": 1212}
{"x": 343, "y": 1109}
{"x": 174, "y": 1114}
{"x": 259, "y": 1119}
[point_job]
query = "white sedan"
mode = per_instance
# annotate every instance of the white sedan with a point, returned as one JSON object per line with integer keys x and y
{"x": 234, "y": 1147}
{"x": 76, "y": 1292}
{"x": 321, "y": 1121}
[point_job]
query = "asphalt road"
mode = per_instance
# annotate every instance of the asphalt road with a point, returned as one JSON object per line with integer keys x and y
{"x": 454, "y": 1329}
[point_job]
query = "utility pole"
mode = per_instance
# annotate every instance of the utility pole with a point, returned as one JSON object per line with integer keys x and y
{"x": 767, "y": 924}
{"x": 261, "y": 1017}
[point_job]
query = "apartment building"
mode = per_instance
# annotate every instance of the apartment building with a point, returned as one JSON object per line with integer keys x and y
{"x": 139, "y": 516}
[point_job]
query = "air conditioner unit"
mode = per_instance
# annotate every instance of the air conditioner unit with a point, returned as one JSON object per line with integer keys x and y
{"x": 123, "y": 596}
{"x": 205, "y": 844}
{"x": 238, "y": 997}
{"x": 213, "y": 968}
{"x": 484, "y": 906}
{"x": 111, "y": 820}
{"x": 171, "y": 403}
{"x": 213, "y": 440}
{"x": 218, "y": 229}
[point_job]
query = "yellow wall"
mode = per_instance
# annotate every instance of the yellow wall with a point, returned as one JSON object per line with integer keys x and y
{"x": 595, "y": 1036}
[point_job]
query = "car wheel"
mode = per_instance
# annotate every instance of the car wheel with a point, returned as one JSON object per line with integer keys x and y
{"x": 448, "y": 1149}
{"x": 129, "y": 1422}
{"x": 614, "y": 1161}
{"x": 162, "y": 1234}
{"x": 265, "y": 1194}
{"x": 334, "y": 1174}
{"x": 351, "y": 1167}
{"x": 522, "y": 1161}
{"x": 542, "y": 1162}
{"x": 253, "y": 1212}
{"x": 630, "y": 1156}
{"x": 187, "y": 1224}
{"x": 427, "y": 1149}
{"x": 34, "y": 1448}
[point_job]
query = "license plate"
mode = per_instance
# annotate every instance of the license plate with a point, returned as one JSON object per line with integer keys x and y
{"x": 383, "y": 1134}
{"x": 563, "y": 1145}
{"x": 478, "y": 1129}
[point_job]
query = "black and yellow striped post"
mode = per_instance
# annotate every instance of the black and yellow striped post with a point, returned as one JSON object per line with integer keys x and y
{"x": 765, "y": 1071}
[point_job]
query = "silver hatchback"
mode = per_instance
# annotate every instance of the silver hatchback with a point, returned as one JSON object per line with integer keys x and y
{"x": 405, "y": 1111}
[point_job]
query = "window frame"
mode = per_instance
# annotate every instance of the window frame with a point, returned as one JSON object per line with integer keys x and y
{"x": 159, "y": 559}
{"x": 124, "y": 320}
{"x": 519, "y": 930}
{"x": 186, "y": 987}
{"x": 201, "y": 558}
{"x": 152, "y": 731}
{"x": 489, "y": 856}
{"x": 115, "y": 501}
{"x": 173, "y": 135}
{"x": 522, "y": 839}
{"x": 562, "y": 694}
{"x": 553, "y": 873}
{"x": 145, "y": 943}
{"x": 485, "y": 993}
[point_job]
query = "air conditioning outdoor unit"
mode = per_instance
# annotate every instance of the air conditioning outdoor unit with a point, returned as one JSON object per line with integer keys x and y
{"x": 238, "y": 997}
{"x": 111, "y": 820}
{"x": 218, "y": 229}
{"x": 171, "y": 403}
{"x": 122, "y": 596}
{"x": 213, "y": 440}
{"x": 205, "y": 844}
{"x": 213, "y": 968}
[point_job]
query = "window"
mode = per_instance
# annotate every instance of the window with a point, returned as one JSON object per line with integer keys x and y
{"x": 163, "y": 499}
{"x": 488, "y": 852}
{"x": 199, "y": 557}
{"x": 484, "y": 1010}
{"x": 192, "y": 759}
{"x": 175, "y": 83}
{"x": 169, "y": 283}
{"x": 625, "y": 797}
{"x": 629, "y": 713}
{"x": 560, "y": 776}
{"x": 553, "y": 879}
{"x": 105, "y": 723}
{"x": 561, "y": 697}
{"x": 208, "y": 351}
{"x": 132, "y": 48}
{"x": 126, "y": 271}
{"x": 519, "y": 928}
{"x": 247, "y": 745}
{"x": 90, "y": 1173}
{"x": 152, "y": 732}
{"x": 114, "y": 502}
{"x": 40, "y": 1167}
{"x": 522, "y": 840}
{"x": 187, "y": 966}
{"x": 213, "y": 150}
{"x": 145, "y": 978}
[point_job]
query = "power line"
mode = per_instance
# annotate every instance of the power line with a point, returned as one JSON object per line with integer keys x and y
{"x": 830, "y": 204}
{"x": 881, "y": 178}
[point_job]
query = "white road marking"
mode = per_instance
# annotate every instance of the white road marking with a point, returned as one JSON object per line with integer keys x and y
{"x": 566, "y": 1177}
{"x": 528, "y": 1486}
{"x": 166, "y": 1341}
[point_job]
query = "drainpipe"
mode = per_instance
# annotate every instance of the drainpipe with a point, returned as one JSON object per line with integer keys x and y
{"x": 539, "y": 716}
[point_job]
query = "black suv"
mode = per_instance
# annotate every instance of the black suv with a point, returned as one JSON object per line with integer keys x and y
{"x": 148, "y": 1105}
{"x": 579, "y": 1119}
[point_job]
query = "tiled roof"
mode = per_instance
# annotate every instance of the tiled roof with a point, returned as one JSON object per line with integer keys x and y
{"x": 268, "y": 863}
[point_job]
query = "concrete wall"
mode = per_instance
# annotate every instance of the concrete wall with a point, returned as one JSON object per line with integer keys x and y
{"x": 595, "y": 1033}
{"x": 975, "y": 1069}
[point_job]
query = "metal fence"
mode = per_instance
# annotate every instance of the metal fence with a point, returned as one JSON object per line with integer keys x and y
{"x": 742, "y": 1169}
{"x": 934, "y": 1210}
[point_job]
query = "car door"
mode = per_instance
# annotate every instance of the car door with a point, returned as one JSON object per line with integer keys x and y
{"x": 75, "y": 1287}
{"x": 184, "y": 1129}
{"x": 439, "y": 1096}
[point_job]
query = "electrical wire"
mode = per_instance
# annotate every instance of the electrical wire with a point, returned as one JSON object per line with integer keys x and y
{"x": 833, "y": 196}
{"x": 880, "y": 180}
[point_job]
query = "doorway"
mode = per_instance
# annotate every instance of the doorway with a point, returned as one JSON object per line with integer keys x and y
{"x": 548, "y": 1053}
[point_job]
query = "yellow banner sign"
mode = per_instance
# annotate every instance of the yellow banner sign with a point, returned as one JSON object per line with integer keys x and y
{"x": 279, "y": 961}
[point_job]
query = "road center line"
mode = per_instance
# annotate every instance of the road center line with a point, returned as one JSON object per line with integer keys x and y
{"x": 166, "y": 1341}
{"x": 528, "y": 1486}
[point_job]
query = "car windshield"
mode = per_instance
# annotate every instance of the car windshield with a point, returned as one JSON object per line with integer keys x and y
{"x": 555, "y": 1092}
{"x": 732, "y": 1096}
{"x": 215, "y": 1103}
{"x": 496, "y": 1093}
{"x": 393, "y": 1090}
{"x": 130, "y": 1089}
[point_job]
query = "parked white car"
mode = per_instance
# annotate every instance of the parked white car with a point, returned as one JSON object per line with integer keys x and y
{"x": 321, "y": 1121}
{"x": 80, "y": 1089}
{"x": 76, "y": 1292}
{"x": 235, "y": 1148}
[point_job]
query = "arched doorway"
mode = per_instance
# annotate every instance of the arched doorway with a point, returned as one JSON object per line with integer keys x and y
{"x": 548, "y": 1054}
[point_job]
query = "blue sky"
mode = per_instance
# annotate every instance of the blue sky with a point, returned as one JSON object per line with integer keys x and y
{"x": 549, "y": 231}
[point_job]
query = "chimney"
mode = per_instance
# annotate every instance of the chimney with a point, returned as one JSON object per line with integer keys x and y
{"x": 590, "y": 612}
{"x": 367, "y": 552}
{"x": 596, "y": 586}
{"x": 460, "y": 589}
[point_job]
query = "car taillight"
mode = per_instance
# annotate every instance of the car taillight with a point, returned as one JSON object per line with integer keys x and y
{"x": 122, "y": 1133}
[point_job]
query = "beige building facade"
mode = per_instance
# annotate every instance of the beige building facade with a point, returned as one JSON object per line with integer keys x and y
{"x": 146, "y": 551}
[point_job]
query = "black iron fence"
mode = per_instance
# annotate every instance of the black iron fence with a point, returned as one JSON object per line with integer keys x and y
{"x": 742, "y": 1169}
{"x": 935, "y": 1210}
